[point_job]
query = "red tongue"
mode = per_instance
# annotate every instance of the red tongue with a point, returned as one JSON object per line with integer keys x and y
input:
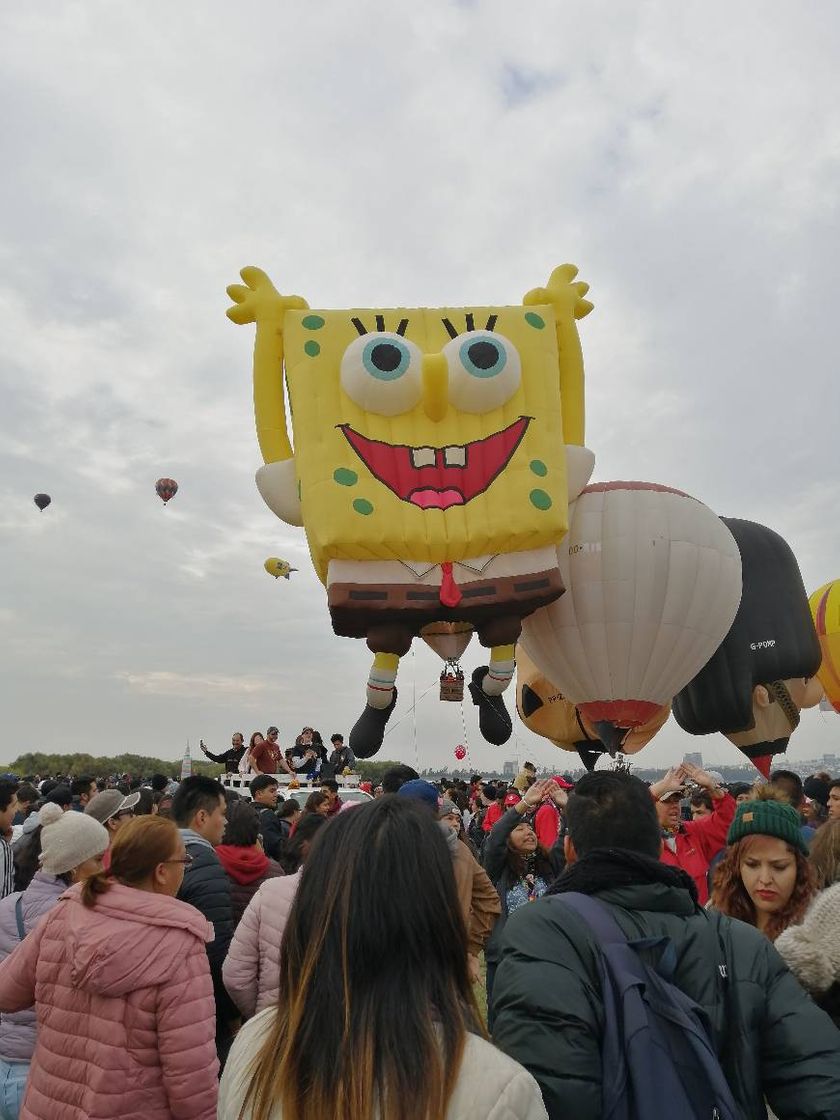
{"x": 450, "y": 594}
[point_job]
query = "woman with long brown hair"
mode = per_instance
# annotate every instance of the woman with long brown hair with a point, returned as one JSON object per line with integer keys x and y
{"x": 376, "y": 1017}
{"x": 765, "y": 878}
{"x": 119, "y": 977}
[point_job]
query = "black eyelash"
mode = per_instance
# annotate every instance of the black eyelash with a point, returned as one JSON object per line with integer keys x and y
{"x": 469, "y": 318}
{"x": 380, "y": 322}
{"x": 359, "y": 325}
{"x": 401, "y": 329}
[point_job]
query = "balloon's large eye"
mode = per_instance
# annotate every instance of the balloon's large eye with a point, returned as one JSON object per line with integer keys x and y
{"x": 484, "y": 371}
{"x": 381, "y": 373}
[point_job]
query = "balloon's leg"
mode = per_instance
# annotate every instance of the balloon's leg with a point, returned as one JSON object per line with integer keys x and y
{"x": 486, "y": 688}
{"x": 500, "y": 672}
{"x": 369, "y": 729}
{"x": 383, "y": 675}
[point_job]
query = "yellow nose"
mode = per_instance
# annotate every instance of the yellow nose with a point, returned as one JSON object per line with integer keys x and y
{"x": 435, "y": 386}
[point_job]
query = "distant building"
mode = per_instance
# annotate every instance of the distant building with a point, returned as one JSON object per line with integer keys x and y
{"x": 695, "y": 758}
{"x": 511, "y": 769}
{"x": 830, "y": 761}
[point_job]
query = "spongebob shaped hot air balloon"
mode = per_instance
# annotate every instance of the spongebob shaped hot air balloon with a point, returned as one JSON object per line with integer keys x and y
{"x": 434, "y": 454}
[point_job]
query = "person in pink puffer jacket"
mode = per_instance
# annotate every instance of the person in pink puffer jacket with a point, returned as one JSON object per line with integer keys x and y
{"x": 72, "y": 846}
{"x": 251, "y": 971}
{"x": 119, "y": 977}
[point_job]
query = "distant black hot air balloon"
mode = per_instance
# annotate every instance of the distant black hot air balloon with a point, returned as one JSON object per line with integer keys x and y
{"x": 166, "y": 488}
{"x": 42, "y": 501}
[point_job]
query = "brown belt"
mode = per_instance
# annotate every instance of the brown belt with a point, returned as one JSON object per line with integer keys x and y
{"x": 357, "y": 608}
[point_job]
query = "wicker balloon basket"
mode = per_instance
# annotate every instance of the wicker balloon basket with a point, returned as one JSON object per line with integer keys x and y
{"x": 452, "y": 683}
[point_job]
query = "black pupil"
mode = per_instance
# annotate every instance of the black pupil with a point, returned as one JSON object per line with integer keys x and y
{"x": 483, "y": 355}
{"x": 386, "y": 357}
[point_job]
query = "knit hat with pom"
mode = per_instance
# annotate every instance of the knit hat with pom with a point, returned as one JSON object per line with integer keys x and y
{"x": 768, "y": 818}
{"x": 68, "y": 839}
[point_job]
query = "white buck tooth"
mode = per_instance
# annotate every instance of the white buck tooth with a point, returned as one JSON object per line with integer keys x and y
{"x": 455, "y": 456}
{"x": 423, "y": 456}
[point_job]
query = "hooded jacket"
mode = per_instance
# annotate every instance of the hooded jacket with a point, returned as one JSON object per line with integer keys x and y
{"x": 246, "y": 868}
{"x": 251, "y": 971}
{"x": 772, "y": 1040}
{"x": 124, "y": 1005}
{"x": 812, "y": 950}
{"x": 17, "y": 1031}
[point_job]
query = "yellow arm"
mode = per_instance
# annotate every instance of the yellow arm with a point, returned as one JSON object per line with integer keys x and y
{"x": 258, "y": 301}
{"x": 567, "y": 300}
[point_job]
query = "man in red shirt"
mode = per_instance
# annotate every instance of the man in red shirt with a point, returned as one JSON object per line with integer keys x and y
{"x": 266, "y": 757}
{"x": 505, "y": 799}
{"x": 691, "y": 845}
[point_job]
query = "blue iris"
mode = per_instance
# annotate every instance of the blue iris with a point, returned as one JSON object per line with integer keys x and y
{"x": 386, "y": 359}
{"x": 483, "y": 357}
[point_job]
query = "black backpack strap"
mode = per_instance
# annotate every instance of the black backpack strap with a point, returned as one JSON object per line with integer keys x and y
{"x": 19, "y": 917}
{"x": 596, "y": 915}
{"x": 600, "y": 920}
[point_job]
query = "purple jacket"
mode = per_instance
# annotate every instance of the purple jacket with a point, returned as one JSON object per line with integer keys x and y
{"x": 17, "y": 1031}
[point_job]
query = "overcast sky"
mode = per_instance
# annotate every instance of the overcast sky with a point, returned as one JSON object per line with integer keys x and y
{"x": 685, "y": 156}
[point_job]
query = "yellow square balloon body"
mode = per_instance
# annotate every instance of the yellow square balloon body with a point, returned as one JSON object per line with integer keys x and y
{"x": 350, "y": 512}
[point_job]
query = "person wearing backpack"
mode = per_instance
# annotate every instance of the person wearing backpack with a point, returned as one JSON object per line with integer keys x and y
{"x": 719, "y": 997}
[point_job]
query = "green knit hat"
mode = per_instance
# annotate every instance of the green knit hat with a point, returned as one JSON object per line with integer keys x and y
{"x": 768, "y": 818}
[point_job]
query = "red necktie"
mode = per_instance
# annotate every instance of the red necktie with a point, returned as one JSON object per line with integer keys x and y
{"x": 450, "y": 594}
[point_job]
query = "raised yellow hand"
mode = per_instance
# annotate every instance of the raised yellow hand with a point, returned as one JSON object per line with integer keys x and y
{"x": 563, "y": 294}
{"x": 258, "y": 301}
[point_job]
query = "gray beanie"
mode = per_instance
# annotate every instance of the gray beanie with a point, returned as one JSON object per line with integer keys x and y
{"x": 447, "y": 807}
{"x": 68, "y": 839}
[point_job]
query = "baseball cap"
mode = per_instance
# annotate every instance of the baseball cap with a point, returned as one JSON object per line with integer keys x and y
{"x": 108, "y": 803}
{"x": 681, "y": 792}
{"x": 420, "y": 790}
{"x": 562, "y": 782}
{"x": 512, "y": 798}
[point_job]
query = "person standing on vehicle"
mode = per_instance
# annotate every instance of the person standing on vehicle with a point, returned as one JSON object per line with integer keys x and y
{"x": 342, "y": 758}
{"x": 230, "y": 759}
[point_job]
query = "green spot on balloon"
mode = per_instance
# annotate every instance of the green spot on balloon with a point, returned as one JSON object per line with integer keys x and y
{"x": 363, "y": 506}
{"x": 312, "y": 322}
{"x": 534, "y": 320}
{"x": 540, "y": 499}
{"x": 345, "y": 477}
{"x": 538, "y": 467}
{"x": 312, "y": 348}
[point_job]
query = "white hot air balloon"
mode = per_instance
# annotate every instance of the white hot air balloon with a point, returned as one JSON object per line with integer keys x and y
{"x": 653, "y": 582}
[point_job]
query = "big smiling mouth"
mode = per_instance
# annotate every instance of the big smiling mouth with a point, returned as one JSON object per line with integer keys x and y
{"x": 438, "y": 477}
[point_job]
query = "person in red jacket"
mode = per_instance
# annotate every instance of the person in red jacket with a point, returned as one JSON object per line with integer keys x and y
{"x": 691, "y": 845}
{"x": 547, "y": 817}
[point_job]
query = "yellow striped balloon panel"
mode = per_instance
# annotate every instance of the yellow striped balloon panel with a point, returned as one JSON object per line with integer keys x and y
{"x": 825, "y": 608}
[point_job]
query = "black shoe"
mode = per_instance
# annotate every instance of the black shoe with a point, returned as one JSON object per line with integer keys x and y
{"x": 494, "y": 723}
{"x": 369, "y": 729}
